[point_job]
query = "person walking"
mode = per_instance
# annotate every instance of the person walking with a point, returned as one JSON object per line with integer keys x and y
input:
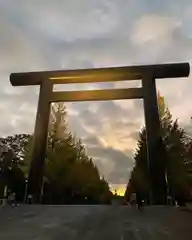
{"x": 29, "y": 200}
{"x": 139, "y": 200}
{"x": 13, "y": 199}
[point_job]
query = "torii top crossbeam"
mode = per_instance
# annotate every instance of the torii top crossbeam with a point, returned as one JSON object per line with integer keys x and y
{"x": 173, "y": 70}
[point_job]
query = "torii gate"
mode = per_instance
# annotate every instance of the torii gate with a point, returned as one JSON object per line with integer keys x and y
{"x": 147, "y": 92}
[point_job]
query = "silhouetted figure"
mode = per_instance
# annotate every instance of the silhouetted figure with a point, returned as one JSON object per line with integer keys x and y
{"x": 139, "y": 200}
{"x": 13, "y": 199}
{"x": 29, "y": 200}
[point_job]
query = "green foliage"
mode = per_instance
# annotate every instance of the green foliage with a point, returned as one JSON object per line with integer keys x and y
{"x": 176, "y": 153}
{"x": 69, "y": 174}
{"x": 72, "y": 174}
{"x": 10, "y": 174}
{"x": 17, "y": 143}
{"x": 189, "y": 160}
{"x": 25, "y": 164}
{"x": 12, "y": 149}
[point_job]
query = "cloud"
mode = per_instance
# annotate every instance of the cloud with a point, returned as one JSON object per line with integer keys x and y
{"x": 153, "y": 28}
{"x": 92, "y": 141}
{"x": 113, "y": 163}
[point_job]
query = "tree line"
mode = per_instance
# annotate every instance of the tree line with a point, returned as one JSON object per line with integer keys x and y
{"x": 178, "y": 160}
{"x": 70, "y": 176}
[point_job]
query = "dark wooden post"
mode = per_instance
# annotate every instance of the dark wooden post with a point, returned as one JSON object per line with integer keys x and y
{"x": 155, "y": 147}
{"x": 40, "y": 141}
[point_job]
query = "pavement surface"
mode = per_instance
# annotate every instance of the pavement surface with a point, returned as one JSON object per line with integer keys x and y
{"x": 37, "y": 222}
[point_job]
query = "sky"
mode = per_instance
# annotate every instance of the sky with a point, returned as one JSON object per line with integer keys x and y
{"x": 67, "y": 34}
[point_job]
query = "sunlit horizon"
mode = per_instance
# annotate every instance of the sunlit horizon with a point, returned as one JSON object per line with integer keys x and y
{"x": 119, "y": 190}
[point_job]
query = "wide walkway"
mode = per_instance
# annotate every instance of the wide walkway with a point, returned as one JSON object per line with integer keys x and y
{"x": 94, "y": 222}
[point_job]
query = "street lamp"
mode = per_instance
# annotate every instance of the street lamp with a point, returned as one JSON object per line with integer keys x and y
{"x": 25, "y": 194}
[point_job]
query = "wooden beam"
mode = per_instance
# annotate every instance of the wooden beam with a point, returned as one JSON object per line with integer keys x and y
{"x": 101, "y": 74}
{"x": 155, "y": 147}
{"x": 96, "y": 95}
{"x": 39, "y": 142}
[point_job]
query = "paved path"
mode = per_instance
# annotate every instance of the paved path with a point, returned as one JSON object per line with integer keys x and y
{"x": 94, "y": 223}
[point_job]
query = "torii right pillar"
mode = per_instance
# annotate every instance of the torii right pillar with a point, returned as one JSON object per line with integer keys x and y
{"x": 155, "y": 148}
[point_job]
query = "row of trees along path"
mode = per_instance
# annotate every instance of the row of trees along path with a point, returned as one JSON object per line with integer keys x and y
{"x": 70, "y": 176}
{"x": 178, "y": 160}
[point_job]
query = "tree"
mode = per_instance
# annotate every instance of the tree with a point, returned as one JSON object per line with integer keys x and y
{"x": 11, "y": 175}
{"x": 71, "y": 174}
{"x": 174, "y": 139}
{"x": 164, "y": 115}
{"x": 11, "y": 161}
{"x": 17, "y": 143}
{"x": 25, "y": 164}
{"x": 188, "y": 147}
{"x": 57, "y": 124}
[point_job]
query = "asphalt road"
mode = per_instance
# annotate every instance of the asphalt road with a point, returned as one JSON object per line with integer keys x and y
{"x": 94, "y": 222}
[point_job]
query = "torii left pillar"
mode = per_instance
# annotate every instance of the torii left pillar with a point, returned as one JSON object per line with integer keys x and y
{"x": 39, "y": 142}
